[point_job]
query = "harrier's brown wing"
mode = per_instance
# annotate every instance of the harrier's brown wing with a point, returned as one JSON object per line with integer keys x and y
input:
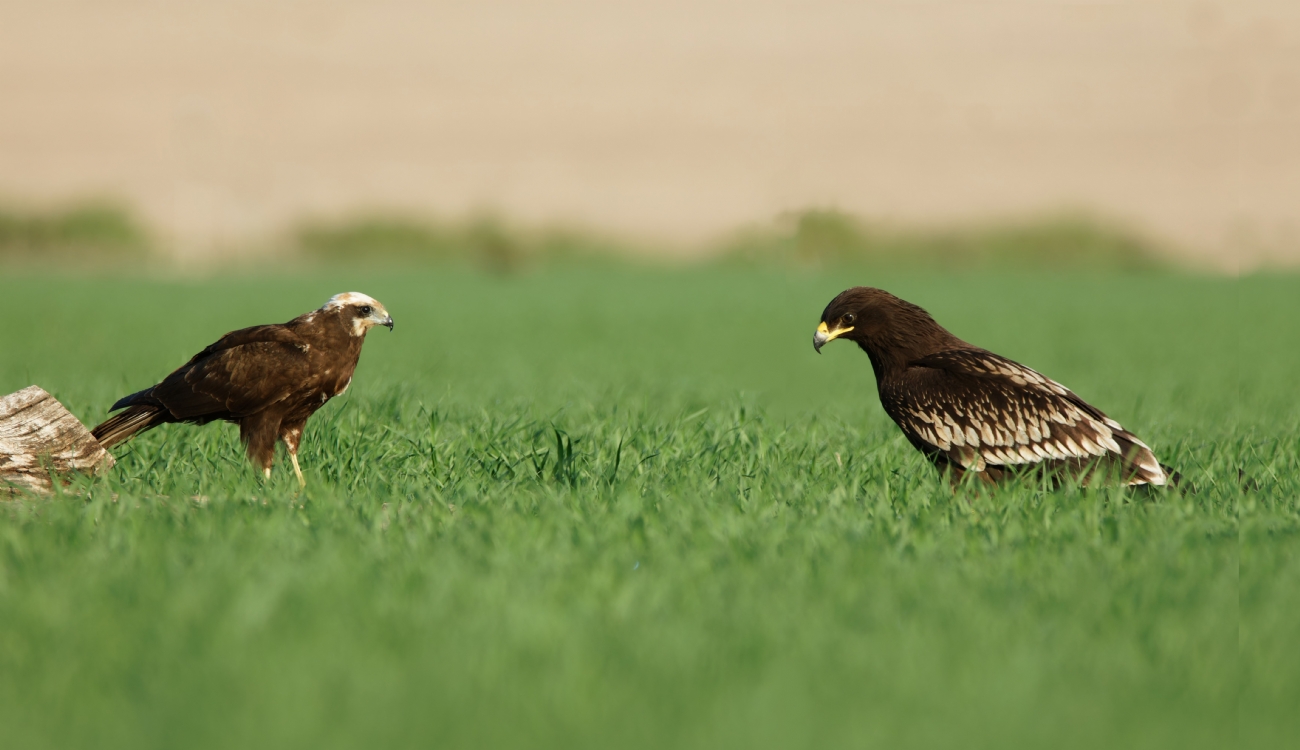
{"x": 277, "y": 333}
{"x": 242, "y": 373}
{"x": 981, "y": 409}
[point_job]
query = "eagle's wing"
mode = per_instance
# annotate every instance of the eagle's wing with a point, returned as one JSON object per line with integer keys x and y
{"x": 242, "y": 373}
{"x": 981, "y": 409}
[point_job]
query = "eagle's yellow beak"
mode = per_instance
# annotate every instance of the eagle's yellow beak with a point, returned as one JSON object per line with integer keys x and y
{"x": 825, "y": 335}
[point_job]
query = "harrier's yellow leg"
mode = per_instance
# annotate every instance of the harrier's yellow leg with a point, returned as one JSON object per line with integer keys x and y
{"x": 291, "y": 434}
{"x": 302, "y": 483}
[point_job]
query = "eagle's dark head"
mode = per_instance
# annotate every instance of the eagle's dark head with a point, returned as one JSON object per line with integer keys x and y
{"x": 882, "y": 324}
{"x": 359, "y": 312}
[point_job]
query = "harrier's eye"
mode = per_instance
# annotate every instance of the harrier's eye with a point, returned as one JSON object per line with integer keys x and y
{"x": 848, "y": 319}
{"x": 365, "y": 310}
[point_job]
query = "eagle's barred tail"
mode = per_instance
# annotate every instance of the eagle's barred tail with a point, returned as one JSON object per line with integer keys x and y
{"x": 123, "y": 426}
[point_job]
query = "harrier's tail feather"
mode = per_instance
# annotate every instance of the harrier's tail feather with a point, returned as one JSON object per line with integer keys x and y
{"x": 124, "y": 425}
{"x": 139, "y": 397}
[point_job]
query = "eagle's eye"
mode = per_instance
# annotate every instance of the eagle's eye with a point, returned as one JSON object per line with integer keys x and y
{"x": 848, "y": 319}
{"x": 365, "y": 310}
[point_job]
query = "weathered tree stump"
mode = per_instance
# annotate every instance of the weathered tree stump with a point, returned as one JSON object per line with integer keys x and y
{"x": 39, "y": 437}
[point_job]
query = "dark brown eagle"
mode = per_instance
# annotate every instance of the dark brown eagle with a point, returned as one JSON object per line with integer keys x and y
{"x": 968, "y": 409}
{"x": 266, "y": 379}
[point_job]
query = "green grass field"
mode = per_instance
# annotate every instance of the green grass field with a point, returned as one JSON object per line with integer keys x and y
{"x": 613, "y": 508}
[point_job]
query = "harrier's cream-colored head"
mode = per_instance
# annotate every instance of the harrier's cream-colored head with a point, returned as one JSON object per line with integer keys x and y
{"x": 363, "y": 311}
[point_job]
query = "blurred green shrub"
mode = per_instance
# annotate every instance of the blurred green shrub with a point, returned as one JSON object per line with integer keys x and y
{"x": 87, "y": 231}
{"x": 834, "y": 238}
{"x": 95, "y": 232}
{"x": 483, "y": 241}
{"x": 816, "y": 238}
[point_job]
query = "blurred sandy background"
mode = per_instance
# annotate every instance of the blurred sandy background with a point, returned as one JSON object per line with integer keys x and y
{"x": 673, "y": 120}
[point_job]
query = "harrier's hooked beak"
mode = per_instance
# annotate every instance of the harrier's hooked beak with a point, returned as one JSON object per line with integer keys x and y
{"x": 379, "y": 317}
{"x": 825, "y": 335}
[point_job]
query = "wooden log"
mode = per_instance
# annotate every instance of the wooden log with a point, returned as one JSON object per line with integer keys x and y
{"x": 38, "y": 436}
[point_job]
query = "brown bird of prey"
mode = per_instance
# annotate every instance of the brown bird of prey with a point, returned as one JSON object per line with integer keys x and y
{"x": 968, "y": 409}
{"x": 266, "y": 379}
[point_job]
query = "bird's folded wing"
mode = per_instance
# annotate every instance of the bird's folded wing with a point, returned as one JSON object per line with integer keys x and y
{"x": 234, "y": 381}
{"x": 981, "y": 408}
{"x": 276, "y": 333}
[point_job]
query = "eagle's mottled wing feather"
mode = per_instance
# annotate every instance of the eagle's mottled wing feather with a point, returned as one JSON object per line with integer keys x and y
{"x": 982, "y": 410}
